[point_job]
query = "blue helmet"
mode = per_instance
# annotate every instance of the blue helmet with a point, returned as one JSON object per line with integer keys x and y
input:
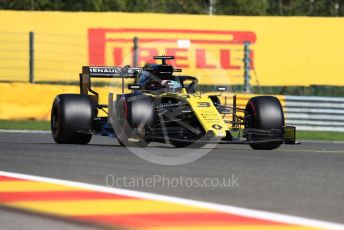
{"x": 172, "y": 86}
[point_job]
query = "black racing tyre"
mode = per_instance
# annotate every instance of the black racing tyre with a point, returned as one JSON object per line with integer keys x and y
{"x": 265, "y": 113}
{"x": 131, "y": 111}
{"x": 71, "y": 113}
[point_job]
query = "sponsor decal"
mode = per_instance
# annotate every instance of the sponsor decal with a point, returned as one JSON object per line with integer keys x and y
{"x": 191, "y": 48}
{"x": 203, "y": 104}
{"x": 216, "y": 126}
{"x": 103, "y": 70}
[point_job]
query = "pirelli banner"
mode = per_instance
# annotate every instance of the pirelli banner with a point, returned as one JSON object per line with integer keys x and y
{"x": 284, "y": 51}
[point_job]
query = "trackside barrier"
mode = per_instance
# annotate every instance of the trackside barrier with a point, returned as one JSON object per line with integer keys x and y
{"x": 315, "y": 113}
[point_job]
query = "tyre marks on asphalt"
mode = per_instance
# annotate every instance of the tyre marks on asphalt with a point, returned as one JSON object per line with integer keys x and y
{"x": 110, "y": 207}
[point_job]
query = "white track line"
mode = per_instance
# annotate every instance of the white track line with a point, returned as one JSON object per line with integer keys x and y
{"x": 321, "y": 141}
{"x": 216, "y": 207}
{"x": 23, "y": 131}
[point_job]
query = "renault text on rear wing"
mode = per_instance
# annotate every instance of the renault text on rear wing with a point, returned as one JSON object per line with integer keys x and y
{"x": 109, "y": 72}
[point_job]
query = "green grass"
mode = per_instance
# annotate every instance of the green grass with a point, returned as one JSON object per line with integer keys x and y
{"x": 26, "y": 125}
{"x": 45, "y": 125}
{"x": 328, "y": 136}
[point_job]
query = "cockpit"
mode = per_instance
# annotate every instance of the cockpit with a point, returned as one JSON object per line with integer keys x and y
{"x": 160, "y": 77}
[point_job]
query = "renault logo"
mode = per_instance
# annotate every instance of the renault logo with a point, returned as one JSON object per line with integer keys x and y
{"x": 215, "y": 126}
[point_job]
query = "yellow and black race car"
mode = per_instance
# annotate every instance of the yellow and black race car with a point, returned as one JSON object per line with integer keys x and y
{"x": 165, "y": 107}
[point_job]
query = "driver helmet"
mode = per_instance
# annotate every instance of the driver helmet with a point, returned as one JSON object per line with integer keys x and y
{"x": 146, "y": 82}
{"x": 171, "y": 86}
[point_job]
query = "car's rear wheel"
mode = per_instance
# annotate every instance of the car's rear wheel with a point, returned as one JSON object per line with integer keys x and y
{"x": 70, "y": 114}
{"x": 264, "y": 113}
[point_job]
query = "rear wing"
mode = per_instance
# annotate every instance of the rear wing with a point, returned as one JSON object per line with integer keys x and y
{"x": 89, "y": 72}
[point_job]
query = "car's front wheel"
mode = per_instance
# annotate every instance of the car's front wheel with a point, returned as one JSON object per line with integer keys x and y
{"x": 70, "y": 114}
{"x": 264, "y": 113}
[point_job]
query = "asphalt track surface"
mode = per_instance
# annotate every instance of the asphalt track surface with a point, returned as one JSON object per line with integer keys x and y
{"x": 304, "y": 180}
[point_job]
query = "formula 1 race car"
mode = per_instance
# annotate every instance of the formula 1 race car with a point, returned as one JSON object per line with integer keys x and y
{"x": 165, "y": 107}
